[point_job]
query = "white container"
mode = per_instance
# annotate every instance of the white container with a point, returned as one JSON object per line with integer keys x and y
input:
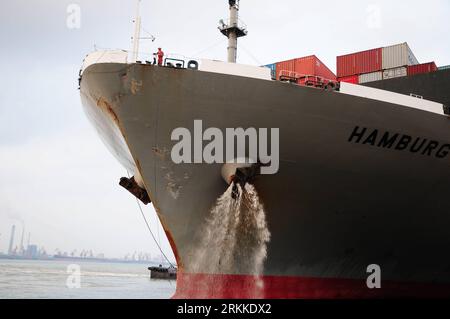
{"x": 370, "y": 77}
{"x": 395, "y": 73}
{"x": 397, "y": 56}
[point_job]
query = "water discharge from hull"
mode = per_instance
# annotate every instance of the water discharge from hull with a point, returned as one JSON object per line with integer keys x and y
{"x": 233, "y": 240}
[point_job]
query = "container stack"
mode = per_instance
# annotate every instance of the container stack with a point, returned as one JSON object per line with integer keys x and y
{"x": 309, "y": 66}
{"x": 380, "y": 64}
{"x": 422, "y": 68}
{"x": 360, "y": 66}
{"x": 396, "y": 59}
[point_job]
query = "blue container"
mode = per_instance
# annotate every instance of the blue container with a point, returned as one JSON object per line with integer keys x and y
{"x": 273, "y": 70}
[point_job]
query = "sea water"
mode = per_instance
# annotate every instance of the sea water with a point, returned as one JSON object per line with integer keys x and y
{"x": 51, "y": 279}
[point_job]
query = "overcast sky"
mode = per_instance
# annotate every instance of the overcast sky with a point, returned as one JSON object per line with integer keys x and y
{"x": 56, "y": 175}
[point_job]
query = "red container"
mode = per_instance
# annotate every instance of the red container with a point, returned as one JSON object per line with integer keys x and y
{"x": 309, "y": 65}
{"x": 354, "y": 79}
{"x": 285, "y": 66}
{"x": 422, "y": 68}
{"x": 361, "y": 62}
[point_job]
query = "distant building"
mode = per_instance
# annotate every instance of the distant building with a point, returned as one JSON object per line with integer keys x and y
{"x": 32, "y": 251}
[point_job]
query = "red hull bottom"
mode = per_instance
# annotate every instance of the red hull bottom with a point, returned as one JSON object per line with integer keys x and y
{"x": 205, "y": 286}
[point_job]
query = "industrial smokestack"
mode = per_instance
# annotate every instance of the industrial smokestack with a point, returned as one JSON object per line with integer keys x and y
{"x": 11, "y": 241}
{"x": 21, "y": 248}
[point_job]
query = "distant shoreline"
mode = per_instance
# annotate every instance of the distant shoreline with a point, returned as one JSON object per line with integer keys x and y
{"x": 79, "y": 259}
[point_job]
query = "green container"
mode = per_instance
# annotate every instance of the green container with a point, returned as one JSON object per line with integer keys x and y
{"x": 444, "y": 67}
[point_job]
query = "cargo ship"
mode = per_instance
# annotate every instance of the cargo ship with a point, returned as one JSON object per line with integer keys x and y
{"x": 362, "y": 178}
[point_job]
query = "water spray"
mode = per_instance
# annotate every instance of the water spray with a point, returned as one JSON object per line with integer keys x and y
{"x": 235, "y": 235}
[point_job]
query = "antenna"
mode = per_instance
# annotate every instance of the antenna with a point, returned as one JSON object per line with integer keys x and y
{"x": 233, "y": 30}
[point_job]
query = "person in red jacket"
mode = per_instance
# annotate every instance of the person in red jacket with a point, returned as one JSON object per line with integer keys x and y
{"x": 160, "y": 55}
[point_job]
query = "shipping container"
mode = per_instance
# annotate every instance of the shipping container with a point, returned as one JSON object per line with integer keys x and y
{"x": 309, "y": 65}
{"x": 370, "y": 77}
{"x": 446, "y": 67}
{"x": 398, "y": 55}
{"x": 288, "y": 65}
{"x": 323, "y": 71}
{"x": 358, "y": 63}
{"x": 354, "y": 79}
{"x": 395, "y": 73}
{"x": 273, "y": 70}
{"x": 422, "y": 68}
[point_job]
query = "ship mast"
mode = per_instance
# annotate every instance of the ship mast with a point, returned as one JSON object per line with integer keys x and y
{"x": 137, "y": 32}
{"x": 232, "y": 30}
